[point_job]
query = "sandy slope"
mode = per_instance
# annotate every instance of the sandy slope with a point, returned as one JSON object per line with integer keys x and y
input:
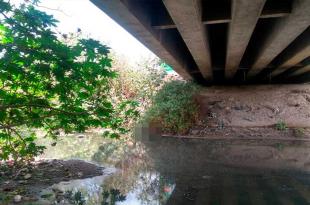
{"x": 256, "y": 106}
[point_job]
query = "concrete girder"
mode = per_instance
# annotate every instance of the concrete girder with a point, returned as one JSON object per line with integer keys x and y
{"x": 140, "y": 27}
{"x": 223, "y": 18}
{"x": 297, "y": 51}
{"x": 300, "y": 71}
{"x": 285, "y": 31}
{"x": 186, "y": 15}
{"x": 245, "y": 15}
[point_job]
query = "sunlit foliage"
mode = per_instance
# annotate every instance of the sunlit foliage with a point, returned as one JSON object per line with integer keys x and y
{"x": 50, "y": 84}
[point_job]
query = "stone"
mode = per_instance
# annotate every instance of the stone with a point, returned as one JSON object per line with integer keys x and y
{"x": 27, "y": 176}
{"x": 24, "y": 170}
{"x": 130, "y": 143}
{"x": 195, "y": 132}
{"x": 22, "y": 182}
{"x": 17, "y": 198}
{"x": 206, "y": 177}
{"x": 7, "y": 182}
{"x": 30, "y": 198}
{"x": 248, "y": 119}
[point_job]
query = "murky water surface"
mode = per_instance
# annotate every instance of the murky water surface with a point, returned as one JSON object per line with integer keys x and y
{"x": 181, "y": 172}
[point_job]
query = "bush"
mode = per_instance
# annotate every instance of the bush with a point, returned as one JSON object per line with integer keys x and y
{"x": 174, "y": 107}
{"x": 281, "y": 125}
{"x": 137, "y": 83}
{"x": 299, "y": 132}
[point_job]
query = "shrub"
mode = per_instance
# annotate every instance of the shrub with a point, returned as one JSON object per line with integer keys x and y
{"x": 138, "y": 83}
{"x": 281, "y": 125}
{"x": 299, "y": 132}
{"x": 174, "y": 107}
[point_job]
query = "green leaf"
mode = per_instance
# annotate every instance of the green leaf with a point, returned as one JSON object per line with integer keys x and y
{"x": 51, "y": 83}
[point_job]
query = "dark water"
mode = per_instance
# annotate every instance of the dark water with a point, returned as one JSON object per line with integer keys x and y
{"x": 185, "y": 172}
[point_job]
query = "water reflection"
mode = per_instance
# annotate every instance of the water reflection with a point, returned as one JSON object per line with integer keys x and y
{"x": 149, "y": 188}
{"x": 184, "y": 172}
{"x": 112, "y": 196}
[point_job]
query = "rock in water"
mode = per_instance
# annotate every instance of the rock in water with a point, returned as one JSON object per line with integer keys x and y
{"x": 27, "y": 176}
{"x": 17, "y": 198}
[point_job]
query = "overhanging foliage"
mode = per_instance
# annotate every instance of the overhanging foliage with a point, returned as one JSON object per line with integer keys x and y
{"x": 49, "y": 84}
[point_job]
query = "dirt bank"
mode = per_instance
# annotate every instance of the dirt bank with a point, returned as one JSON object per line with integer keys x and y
{"x": 256, "y": 106}
{"x": 247, "y": 126}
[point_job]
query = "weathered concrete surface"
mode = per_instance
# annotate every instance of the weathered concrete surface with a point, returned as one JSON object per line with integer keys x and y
{"x": 297, "y": 52}
{"x": 167, "y": 24}
{"x": 244, "y": 17}
{"x": 220, "y": 42}
{"x": 283, "y": 33}
{"x": 187, "y": 17}
{"x": 300, "y": 71}
{"x": 140, "y": 27}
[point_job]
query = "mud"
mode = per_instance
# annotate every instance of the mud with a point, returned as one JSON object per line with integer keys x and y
{"x": 29, "y": 180}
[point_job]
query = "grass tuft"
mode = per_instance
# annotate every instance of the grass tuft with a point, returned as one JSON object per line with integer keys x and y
{"x": 281, "y": 125}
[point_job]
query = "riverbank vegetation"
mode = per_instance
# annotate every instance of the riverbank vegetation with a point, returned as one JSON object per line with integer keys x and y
{"x": 52, "y": 85}
{"x": 55, "y": 84}
{"x": 174, "y": 107}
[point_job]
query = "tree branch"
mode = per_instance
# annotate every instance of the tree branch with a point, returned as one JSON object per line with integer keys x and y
{"x": 45, "y": 7}
{"x": 3, "y": 107}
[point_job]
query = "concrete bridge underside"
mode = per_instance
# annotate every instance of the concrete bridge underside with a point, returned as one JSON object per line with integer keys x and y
{"x": 222, "y": 41}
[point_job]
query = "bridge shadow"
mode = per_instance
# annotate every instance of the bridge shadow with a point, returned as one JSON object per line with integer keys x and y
{"x": 227, "y": 172}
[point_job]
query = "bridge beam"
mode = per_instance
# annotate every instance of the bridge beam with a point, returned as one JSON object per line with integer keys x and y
{"x": 186, "y": 14}
{"x": 139, "y": 25}
{"x": 295, "y": 53}
{"x": 285, "y": 31}
{"x": 300, "y": 71}
{"x": 245, "y": 15}
{"x": 165, "y": 23}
